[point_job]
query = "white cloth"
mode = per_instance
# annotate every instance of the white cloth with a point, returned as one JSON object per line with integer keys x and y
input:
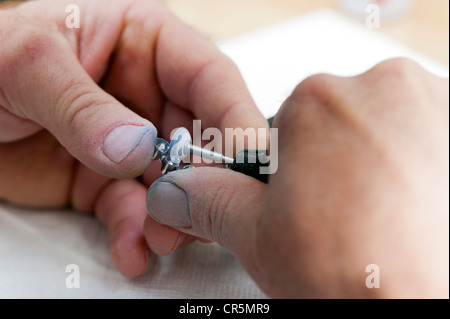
{"x": 275, "y": 59}
{"x": 36, "y": 246}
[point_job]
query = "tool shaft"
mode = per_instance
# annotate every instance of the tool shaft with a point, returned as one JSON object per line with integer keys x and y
{"x": 204, "y": 153}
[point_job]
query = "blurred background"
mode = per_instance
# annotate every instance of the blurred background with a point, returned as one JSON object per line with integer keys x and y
{"x": 422, "y": 25}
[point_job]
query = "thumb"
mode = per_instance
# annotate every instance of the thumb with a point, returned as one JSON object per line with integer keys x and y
{"x": 212, "y": 203}
{"x": 48, "y": 85}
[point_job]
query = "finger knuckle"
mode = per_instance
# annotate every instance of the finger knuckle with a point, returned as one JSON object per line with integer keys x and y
{"x": 24, "y": 51}
{"x": 76, "y": 102}
{"x": 211, "y": 216}
{"x": 31, "y": 45}
{"x": 308, "y": 100}
{"x": 139, "y": 11}
{"x": 313, "y": 86}
{"x": 398, "y": 68}
{"x": 212, "y": 219}
{"x": 221, "y": 209}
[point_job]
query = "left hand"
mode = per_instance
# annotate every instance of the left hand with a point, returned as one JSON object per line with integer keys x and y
{"x": 131, "y": 63}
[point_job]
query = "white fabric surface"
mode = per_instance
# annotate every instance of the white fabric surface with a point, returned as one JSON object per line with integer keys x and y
{"x": 275, "y": 59}
{"x": 36, "y": 246}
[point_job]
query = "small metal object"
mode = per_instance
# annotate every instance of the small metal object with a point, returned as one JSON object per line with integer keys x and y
{"x": 249, "y": 162}
{"x": 180, "y": 147}
{"x": 161, "y": 154}
{"x": 216, "y": 157}
{"x": 161, "y": 147}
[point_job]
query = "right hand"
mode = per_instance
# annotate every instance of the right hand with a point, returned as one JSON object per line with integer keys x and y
{"x": 363, "y": 179}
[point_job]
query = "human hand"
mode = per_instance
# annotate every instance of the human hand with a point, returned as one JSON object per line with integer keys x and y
{"x": 363, "y": 179}
{"x": 79, "y": 107}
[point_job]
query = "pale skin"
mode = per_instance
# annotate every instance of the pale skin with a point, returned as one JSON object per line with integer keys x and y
{"x": 363, "y": 161}
{"x": 362, "y": 179}
{"x": 62, "y": 90}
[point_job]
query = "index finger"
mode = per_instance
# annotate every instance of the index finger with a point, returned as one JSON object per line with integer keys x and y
{"x": 196, "y": 76}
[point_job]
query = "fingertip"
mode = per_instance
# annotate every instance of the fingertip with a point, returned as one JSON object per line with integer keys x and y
{"x": 211, "y": 203}
{"x": 121, "y": 207}
{"x": 129, "y": 251}
{"x": 123, "y": 140}
{"x": 162, "y": 239}
{"x": 129, "y": 149}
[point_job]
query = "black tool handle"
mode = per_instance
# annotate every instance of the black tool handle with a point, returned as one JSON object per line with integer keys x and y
{"x": 249, "y": 162}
